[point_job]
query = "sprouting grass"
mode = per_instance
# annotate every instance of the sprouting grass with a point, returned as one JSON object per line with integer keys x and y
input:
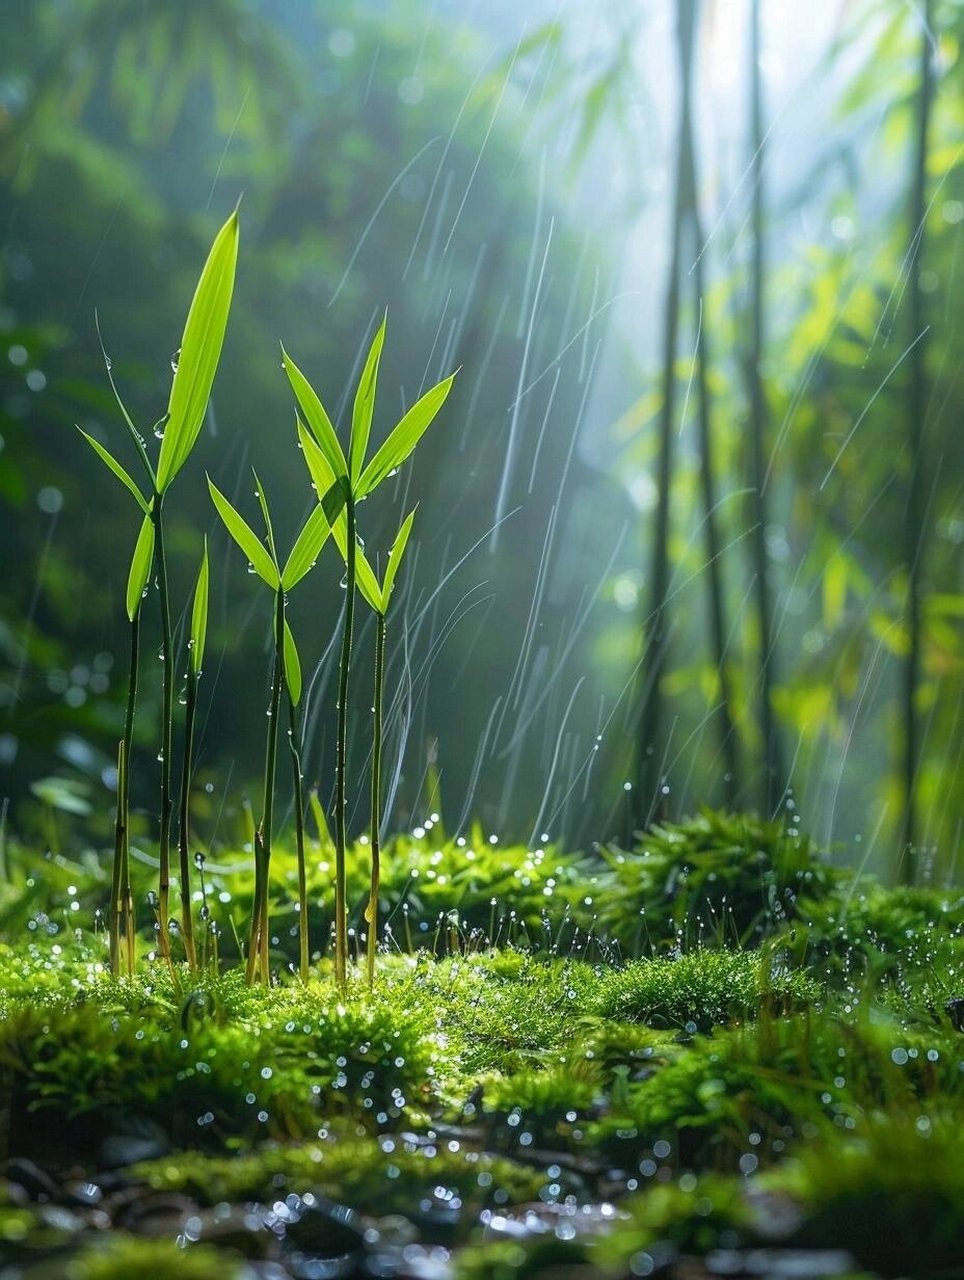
{"x": 194, "y": 368}
{"x": 341, "y": 483}
{"x": 349, "y": 482}
{"x": 286, "y": 675}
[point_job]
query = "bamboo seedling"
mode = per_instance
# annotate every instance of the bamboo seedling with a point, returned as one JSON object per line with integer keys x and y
{"x": 378, "y": 596}
{"x": 358, "y": 481}
{"x": 194, "y": 367}
{"x": 286, "y": 674}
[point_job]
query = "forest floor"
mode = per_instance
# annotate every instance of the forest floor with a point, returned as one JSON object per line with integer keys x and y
{"x": 709, "y": 1055}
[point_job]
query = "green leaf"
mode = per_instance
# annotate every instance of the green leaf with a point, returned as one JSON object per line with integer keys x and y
{"x": 136, "y": 436}
{"x": 113, "y": 465}
{"x": 325, "y": 484}
{"x": 200, "y": 352}
{"x": 307, "y": 547}
{"x": 395, "y": 560}
{"x": 265, "y": 515}
{"x": 199, "y": 614}
{"x": 364, "y": 407}
{"x": 141, "y": 562}
{"x": 319, "y": 468}
{"x": 292, "y": 666}
{"x": 404, "y": 438}
{"x": 334, "y": 500}
{"x": 317, "y": 419}
{"x": 246, "y": 538}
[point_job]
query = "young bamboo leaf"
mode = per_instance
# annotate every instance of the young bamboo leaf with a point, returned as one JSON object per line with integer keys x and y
{"x": 246, "y": 538}
{"x": 263, "y": 503}
{"x": 292, "y": 666}
{"x": 364, "y": 407}
{"x": 112, "y": 464}
{"x": 199, "y": 614}
{"x": 395, "y": 560}
{"x": 317, "y": 418}
{"x": 199, "y": 354}
{"x": 141, "y": 562}
{"x": 135, "y": 435}
{"x": 307, "y": 547}
{"x": 404, "y": 437}
{"x": 321, "y": 476}
{"x": 334, "y": 499}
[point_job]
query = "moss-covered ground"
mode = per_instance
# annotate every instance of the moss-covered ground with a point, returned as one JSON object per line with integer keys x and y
{"x": 711, "y": 1054}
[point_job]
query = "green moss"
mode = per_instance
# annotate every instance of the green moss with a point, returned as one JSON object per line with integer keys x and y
{"x": 757, "y": 1091}
{"x": 223, "y": 1063}
{"x": 693, "y": 1214}
{"x": 891, "y": 1192}
{"x": 911, "y": 939}
{"x": 714, "y": 880}
{"x": 391, "y": 1174}
{"x": 702, "y": 989}
{"x": 121, "y": 1257}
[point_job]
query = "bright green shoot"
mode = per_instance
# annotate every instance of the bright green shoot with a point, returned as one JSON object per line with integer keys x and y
{"x": 360, "y": 480}
{"x": 194, "y": 369}
{"x": 286, "y": 675}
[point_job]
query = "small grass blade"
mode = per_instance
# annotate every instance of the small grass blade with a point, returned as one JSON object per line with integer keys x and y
{"x": 265, "y": 514}
{"x": 395, "y": 560}
{"x": 200, "y": 352}
{"x": 404, "y": 437}
{"x": 364, "y": 407}
{"x": 246, "y": 538}
{"x": 112, "y": 464}
{"x": 292, "y": 667}
{"x": 199, "y": 614}
{"x": 316, "y": 417}
{"x": 136, "y": 436}
{"x": 141, "y": 562}
{"x": 307, "y": 548}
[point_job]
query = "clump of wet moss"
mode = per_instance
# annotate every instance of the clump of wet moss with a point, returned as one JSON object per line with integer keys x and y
{"x": 121, "y": 1256}
{"x": 891, "y": 1191}
{"x": 701, "y": 989}
{"x": 715, "y": 880}
{"x": 393, "y": 1173}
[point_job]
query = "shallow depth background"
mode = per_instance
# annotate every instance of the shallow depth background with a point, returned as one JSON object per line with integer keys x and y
{"x": 501, "y": 177}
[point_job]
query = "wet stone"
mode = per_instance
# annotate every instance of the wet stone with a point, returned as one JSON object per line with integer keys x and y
{"x": 138, "y": 1139}
{"x": 155, "y": 1213}
{"x": 36, "y": 1182}
{"x": 322, "y": 1229}
{"x": 234, "y": 1227}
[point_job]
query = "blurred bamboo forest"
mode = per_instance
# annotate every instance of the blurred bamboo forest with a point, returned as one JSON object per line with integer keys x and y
{"x": 691, "y": 530}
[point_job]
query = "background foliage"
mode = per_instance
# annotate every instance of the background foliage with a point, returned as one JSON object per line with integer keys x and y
{"x": 503, "y": 191}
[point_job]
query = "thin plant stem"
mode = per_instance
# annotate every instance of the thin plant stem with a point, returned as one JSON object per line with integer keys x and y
{"x": 294, "y": 746}
{"x": 167, "y": 733}
{"x": 341, "y": 797}
{"x": 121, "y": 898}
{"x": 187, "y": 922}
{"x": 371, "y": 915}
{"x": 262, "y": 839}
{"x": 916, "y": 408}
